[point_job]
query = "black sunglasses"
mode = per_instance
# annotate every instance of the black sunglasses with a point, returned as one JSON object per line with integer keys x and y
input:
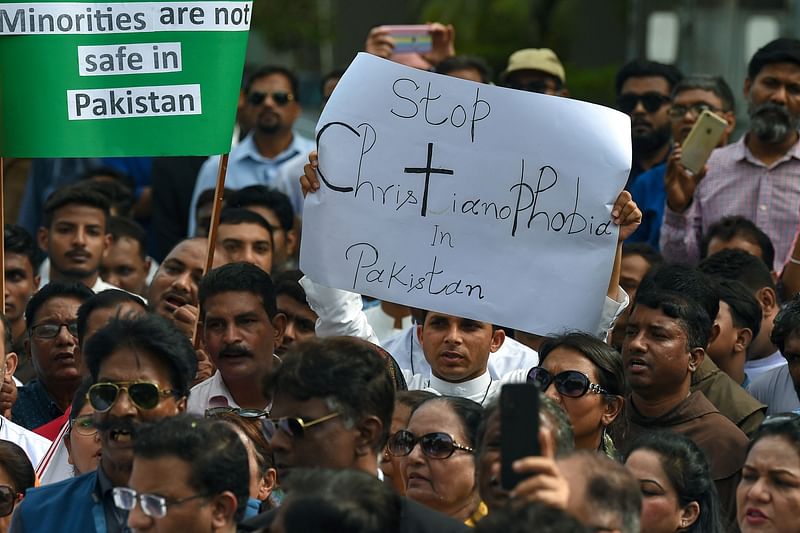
{"x": 570, "y": 383}
{"x": 291, "y": 426}
{"x": 144, "y": 394}
{"x": 51, "y": 331}
{"x": 244, "y": 413}
{"x": 280, "y": 98}
{"x": 434, "y": 445}
{"x": 652, "y": 101}
{"x": 7, "y": 500}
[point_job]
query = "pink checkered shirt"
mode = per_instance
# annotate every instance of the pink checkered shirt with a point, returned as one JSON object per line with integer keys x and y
{"x": 739, "y": 184}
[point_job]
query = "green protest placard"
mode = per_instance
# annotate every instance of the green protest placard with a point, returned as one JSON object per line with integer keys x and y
{"x": 147, "y": 78}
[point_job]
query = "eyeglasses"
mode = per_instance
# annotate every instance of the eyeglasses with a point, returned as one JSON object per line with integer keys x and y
{"x": 651, "y": 101}
{"x": 8, "y": 497}
{"x": 153, "y": 505}
{"x": 677, "y": 112}
{"x": 434, "y": 445}
{"x": 570, "y": 383}
{"x": 281, "y": 98}
{"x": 293, "y": 427}
{"x": 84, "y": 425}
{"x": 244, "y": 413}
{"x": 51, "y": 331}
{"x": 144, "y": 394}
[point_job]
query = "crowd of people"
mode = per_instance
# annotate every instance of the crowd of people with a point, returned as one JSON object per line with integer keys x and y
{"x": 141, "y": 392}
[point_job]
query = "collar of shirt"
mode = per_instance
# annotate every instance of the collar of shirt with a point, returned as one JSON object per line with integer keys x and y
{"x": 744, "y": 153}
{"x": 247, "y": 149}
{"x": 463, "y": 389}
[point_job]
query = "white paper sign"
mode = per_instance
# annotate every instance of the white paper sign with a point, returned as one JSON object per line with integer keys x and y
{"x": 468, "y": 199}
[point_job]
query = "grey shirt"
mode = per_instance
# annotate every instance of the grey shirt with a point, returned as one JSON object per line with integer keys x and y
{"x": 776, "y": 389}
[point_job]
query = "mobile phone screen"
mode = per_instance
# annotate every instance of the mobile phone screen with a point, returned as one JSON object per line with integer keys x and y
{"x": 519, "y": 428}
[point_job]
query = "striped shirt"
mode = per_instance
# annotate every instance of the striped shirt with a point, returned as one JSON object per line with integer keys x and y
{"x": 739, "y": 184}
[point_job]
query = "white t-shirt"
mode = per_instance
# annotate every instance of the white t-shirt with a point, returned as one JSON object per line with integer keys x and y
{"x": 775, "y": 388}
{"x": 35, "y": 446}
{"x": 757, "y": 367}
{"x": 481, "y": 389}
{"x": 209, "y": 393}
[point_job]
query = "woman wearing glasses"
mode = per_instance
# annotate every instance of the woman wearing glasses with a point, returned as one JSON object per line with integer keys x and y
{"x": 16, "y": 477}
{"x": 585, "y": 376}
{"x": 81, "y": 439}
{"x": 436, "y": 456}
{"x": 768, "y": 496}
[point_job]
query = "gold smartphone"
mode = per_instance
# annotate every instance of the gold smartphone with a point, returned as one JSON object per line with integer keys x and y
{"x": 703, "y": 138}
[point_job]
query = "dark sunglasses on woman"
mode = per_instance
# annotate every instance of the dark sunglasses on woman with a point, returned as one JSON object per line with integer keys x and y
{"x": 436, "y": 445}
{"x": 570, "y": 383}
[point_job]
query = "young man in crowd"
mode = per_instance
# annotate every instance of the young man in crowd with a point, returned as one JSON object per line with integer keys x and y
{"x": 244, "y": 236}
{"x": 738, "y": 233}
{"x": 536, "y": 70}
{"x": 22, "y": 281}
{"x": 637, "y": 260}
{"x": 291, "y": 301}
{"x": 125, "y": 263}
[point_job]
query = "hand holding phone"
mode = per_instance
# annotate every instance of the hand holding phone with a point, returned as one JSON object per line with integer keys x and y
{"x": 702, "y": 139}
{"x": 519, "y": 429}
{"x": 411, "y": 38}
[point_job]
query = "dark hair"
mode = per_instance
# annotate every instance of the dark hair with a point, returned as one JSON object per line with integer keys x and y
{"x": 238, "y": 277}
{"x": 79, "y": 398}
{"x": 54, "y": 289}
{"x": 533, "y": 516}
{"x": 691, "y": 317}
{"x": 606, "y": 359}
{"x": 15, "y": 462}
{"x": 76, "y": 194}
{"x": 462, "y": 62}
{"x": 710, "y": 83}
{"x": 206, "y": 196}
{"x": 786, "y": 426}
{"x": 117, "y": 175}
{"x": 335, "y": 74}
{"x": 469, "y": 413}
{"x": 120, "y": 227}
{"x": 233, "y": 216}
{"x": 413, "y": 398}
{"x": 345, "y": 370}
{"x": 741, "y": 266}
{"x": 685, "y": 280}
{"x": 147, "y": 333}
{"x": 728, "y": 228}
{"x": 781, "y": 50}
{"x": 212, "y": 448}
{"x": 263, "y": 196}
{"x": 786, "y": 322}
{"x": 641, "y": 68}
{"x": 288, "y": 283}
{"x": 107, "y": 299}
{"x": 251, "y": 428}
{"x": 686, "y": 467}
{"x": 339, "y": 501}
{"x": 745, "y": 310}
{"x": 17, "y": 240}
{"x": 644, "y": 250}
{"x": 269, "y": 70}
{"x": 119, "y": 196}
{"x": 8, "y": 337}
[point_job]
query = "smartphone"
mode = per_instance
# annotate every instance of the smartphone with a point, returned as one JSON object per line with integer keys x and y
{"x": 703, "y": 138}
{"x": 412, "y": 38}
{"x": 519, "y": 428}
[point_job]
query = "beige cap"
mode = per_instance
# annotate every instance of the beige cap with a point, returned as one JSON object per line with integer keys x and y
{"x": 542, "y": 59}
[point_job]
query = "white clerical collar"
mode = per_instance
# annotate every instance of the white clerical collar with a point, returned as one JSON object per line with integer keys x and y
{"x": 465, "y": 389}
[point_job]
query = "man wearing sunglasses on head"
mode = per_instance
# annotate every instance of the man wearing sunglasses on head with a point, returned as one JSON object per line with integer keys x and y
{"x": 272, "y": 154}
{"x": 643, "y": 91}
{"x": 332, "y": 404}
{"x": 142, "y": 370}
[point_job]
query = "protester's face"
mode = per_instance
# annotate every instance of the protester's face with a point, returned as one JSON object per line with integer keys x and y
{"x": 76, "y": 240}
{"x": 736, "y": 243}
{"x": 768, "y": 496}
{"x": 239, "y": 334}
{"x": 124, "y": 266}
{"x": 84, "y": 450}
{"x": 445, "y": 485}
{"x": 690, "y": 98}
{"x": 281, "y": 240}
{"x": 100, "y": 317}
{"x": 271, "y": 117}
{"x": 117, "y": 425}
{"x": 203, "y": 217}
{"x": 329, "y": 444}
{"x": 457, "y": 348}
{"x": 21, "y": 283}
{"x": 147, "y": 477}
{"x": 301, "y": 321}
{"x": 633, "y": 270}
{"x": 175, "y": 283}
{"x": 791, "y": 351}
{"x": 655, "y": 352}
{"x": 390, "y": 465}
{"x": 57, "y": 359}
{"x": 469, "y": 74}
{"x": 661, "y": 510}
{"x": 773, "y": 99}
{"x": 587, "y": 412}
{"x": 650, "y": 130}
{"x": 723, "y": 346}
{"x": 246, "y": 243}
{"x": 534, "y": 81}
{"x": 7, "y": 480}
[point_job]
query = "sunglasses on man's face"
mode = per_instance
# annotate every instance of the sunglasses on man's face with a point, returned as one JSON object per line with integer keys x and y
{"x": 145, "y": 395}
{"x": 281, "y": 98}
{"x": 8, "y": 497}
{"x": 291, "y": 426}
{"x": 570, "y": 383}
{"x": 51, "y": 331}
{"x": 436, "y": 445}
{"x": 651, "y": 101}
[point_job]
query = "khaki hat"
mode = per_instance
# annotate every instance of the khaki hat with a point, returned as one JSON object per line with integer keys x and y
{"x": 542, "y": 59}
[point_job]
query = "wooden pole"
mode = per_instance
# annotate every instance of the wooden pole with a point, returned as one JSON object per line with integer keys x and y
{"x": 212, "y": 230}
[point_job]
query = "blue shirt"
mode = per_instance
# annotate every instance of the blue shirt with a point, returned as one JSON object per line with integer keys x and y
{"x": 34, "y": 406}
{"x": 649, "y": 194}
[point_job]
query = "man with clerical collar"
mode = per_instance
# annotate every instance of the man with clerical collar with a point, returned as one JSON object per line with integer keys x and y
{"x": 241, "y": 328}
{"x": 665, "y": 342}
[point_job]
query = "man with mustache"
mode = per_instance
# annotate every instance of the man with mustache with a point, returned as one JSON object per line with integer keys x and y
{"x": 757, "y": 177}
{"x": 241, "y": 328}
{"x": 142, "y": 370}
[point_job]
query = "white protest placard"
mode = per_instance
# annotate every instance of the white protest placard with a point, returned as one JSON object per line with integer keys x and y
{"x": 467, "y": 199}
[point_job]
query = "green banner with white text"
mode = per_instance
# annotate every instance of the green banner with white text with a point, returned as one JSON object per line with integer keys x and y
{"x": 105, "y": 79}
